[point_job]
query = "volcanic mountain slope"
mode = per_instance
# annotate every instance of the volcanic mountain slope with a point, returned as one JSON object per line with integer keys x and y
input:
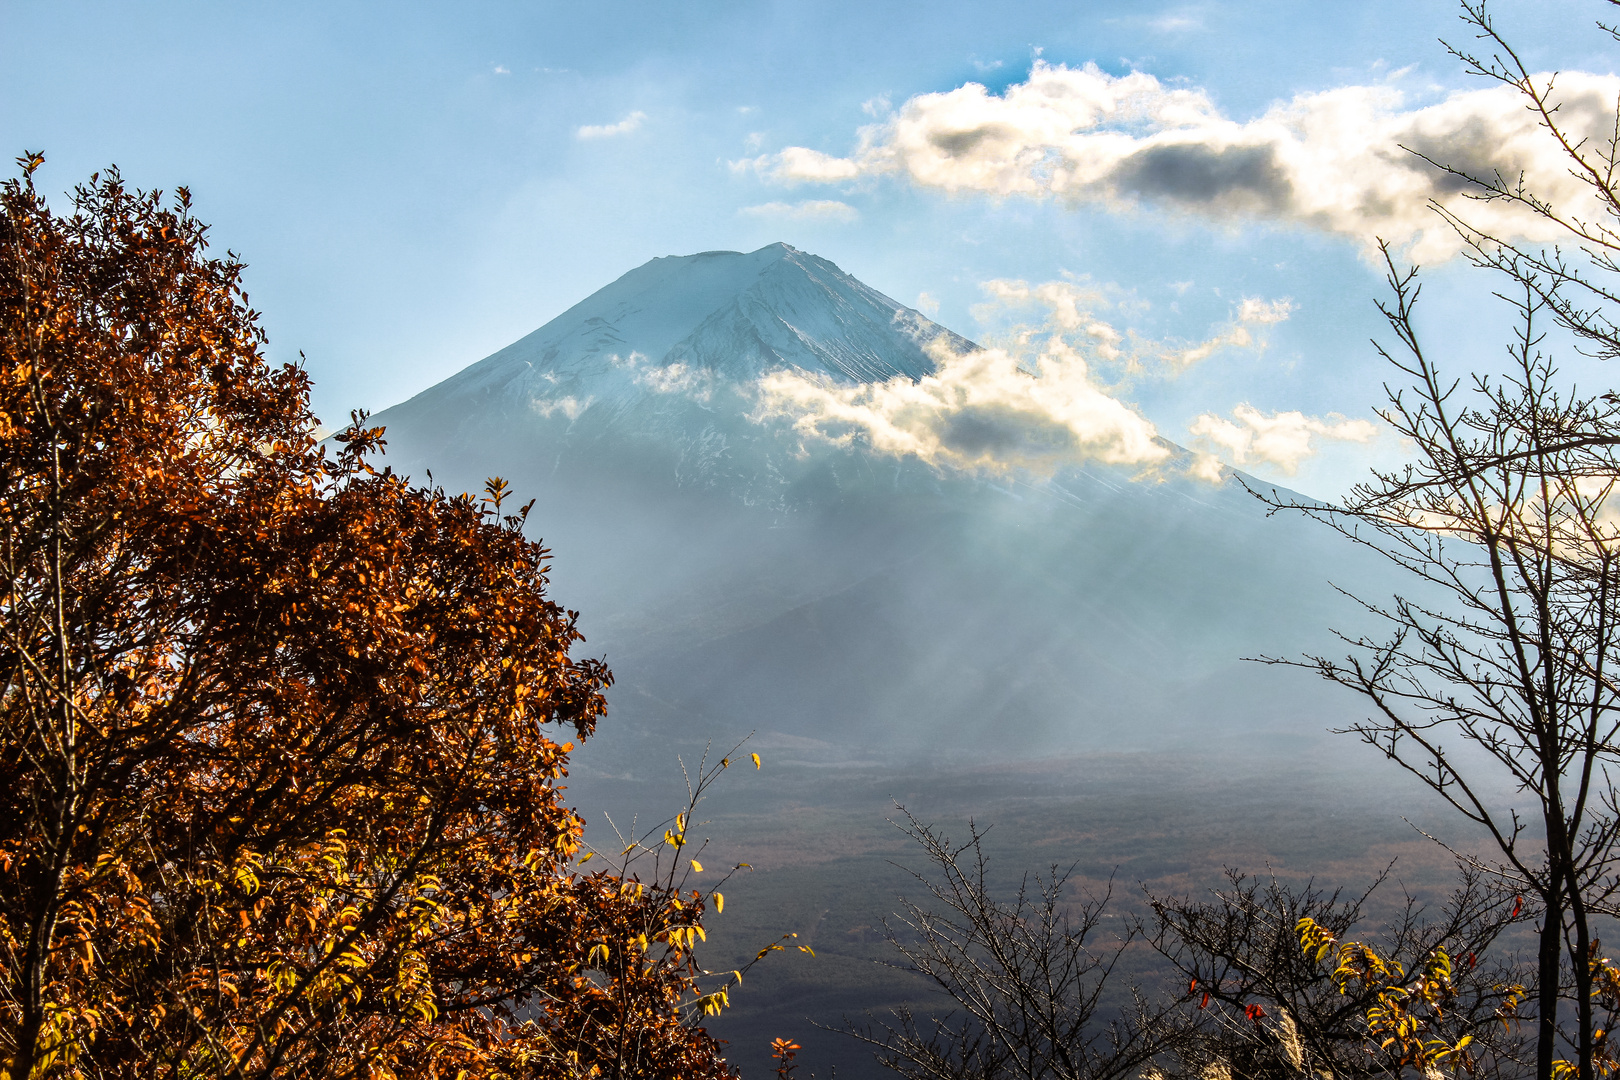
{"x": 845, "y": 602}
{"x": 663, "y": 361}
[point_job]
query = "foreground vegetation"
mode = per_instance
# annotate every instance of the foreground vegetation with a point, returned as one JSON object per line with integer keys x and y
{"x": 283, "y": 734}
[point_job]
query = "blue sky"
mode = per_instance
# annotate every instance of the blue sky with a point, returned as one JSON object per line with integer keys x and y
{"x": 416, "y": 185}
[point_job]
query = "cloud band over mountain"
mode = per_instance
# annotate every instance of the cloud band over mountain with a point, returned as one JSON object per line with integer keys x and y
{"x": 1348, "y": 160}
{"x": 1047, "y": 396}
{"x": 979, "y": 410}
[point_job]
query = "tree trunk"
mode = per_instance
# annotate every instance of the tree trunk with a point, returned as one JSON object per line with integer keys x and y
{"x": 1551, "y": 952}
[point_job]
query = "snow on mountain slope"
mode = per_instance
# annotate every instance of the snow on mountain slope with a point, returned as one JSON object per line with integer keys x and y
{"x": 718, "y": 314}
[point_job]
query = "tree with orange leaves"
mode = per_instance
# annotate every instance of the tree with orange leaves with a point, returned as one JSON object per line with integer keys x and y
{"x": 280, "y": 734}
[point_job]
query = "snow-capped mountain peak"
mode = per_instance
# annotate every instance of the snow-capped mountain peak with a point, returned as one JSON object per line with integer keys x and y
{"x": 721, "y": 314}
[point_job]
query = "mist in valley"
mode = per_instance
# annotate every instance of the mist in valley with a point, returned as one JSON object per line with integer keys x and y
{"x": 1059, "y": 652}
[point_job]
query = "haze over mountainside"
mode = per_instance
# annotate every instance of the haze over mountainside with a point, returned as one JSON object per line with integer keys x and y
{"x": 739, "y": 575}
{"x": 1060, "y": 652}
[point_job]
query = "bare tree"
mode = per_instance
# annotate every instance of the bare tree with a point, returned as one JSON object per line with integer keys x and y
{"x": 1038, "y": 987}
{"x": 1261, "y": 1007}
{"x": 1507, "y": 518}
{"x": 1028, "y": 976}
{"x": 1576, "y": 283}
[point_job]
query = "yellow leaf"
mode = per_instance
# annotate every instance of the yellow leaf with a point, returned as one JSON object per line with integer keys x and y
{"x": 697, "y": 867}
{"x": 756, "y": 760}
{"x": 587, "y": 858}
{"x": 719, "y": 903}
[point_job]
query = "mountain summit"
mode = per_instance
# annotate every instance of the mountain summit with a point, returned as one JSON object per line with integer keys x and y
{"x": 656, "y": 375}
{"x": 715, "y": 315}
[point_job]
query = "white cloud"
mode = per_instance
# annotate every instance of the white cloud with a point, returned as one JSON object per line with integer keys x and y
{"x": 569, "y": 406}
{"x": 987, "y": 410}
{"x": 1283, "y": 439}
{"x": 1075, "y": 308}
{"x": 678, "y": 378}
{"x": 501, "y": 69}
{"x": 1251, "y": 312}
{"x": 1252, "y": 309}
{"x": 607, "y": 131}
{"x": 1331, "y": 160}
{"x": 798, "y": 163}
{"x": 927, "y": 304}
{"x": 1177, "y": 23}
{"x": 1044, "y": 395}
{"x": 808, "y": 210}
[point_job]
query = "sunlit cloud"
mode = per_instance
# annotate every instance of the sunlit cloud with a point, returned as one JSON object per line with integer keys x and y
{"x": 696, "y": 383}
{"x": 1046, "y": 394}
{"x": 798, "y": 163}
{"x": 1244, "y": 331}
{"x": 987, "y": 410}
{"x": 1332, "y": 160}
{"x": 1281, "y": 439}
{"x": 1086, "y": 311}
{"x": 808, "y": 210}
{"x": 607, "y": 131}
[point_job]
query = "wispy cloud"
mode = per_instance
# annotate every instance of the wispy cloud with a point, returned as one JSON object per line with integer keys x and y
{"x": 1281, "y": 439}
{"x": 502, "y": 69}
{"x": 607, "y": 131}
{"x": 1332, "y": 160}
{"x": 800, "y": 164}
{"x": 569, "y": 406}
{"x": 1251, "y": 316}
{"x": 1177, "y": 22}
{"x": 808, "y": 210}
{"x": 1084, "y": 310}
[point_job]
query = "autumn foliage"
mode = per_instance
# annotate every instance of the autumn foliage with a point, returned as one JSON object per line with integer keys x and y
{"x": 282, "y": 733}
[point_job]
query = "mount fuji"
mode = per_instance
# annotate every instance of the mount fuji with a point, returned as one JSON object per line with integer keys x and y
{"x": 850, "y": 605}
{"x": 654, "y": 375}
